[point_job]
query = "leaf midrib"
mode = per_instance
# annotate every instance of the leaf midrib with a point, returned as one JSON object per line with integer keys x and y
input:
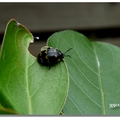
{"x": 100, "y": 81}
{"x": 27, "y": 87}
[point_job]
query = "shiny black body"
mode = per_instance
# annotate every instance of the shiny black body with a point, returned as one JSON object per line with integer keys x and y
{"x": 49, "y": 56}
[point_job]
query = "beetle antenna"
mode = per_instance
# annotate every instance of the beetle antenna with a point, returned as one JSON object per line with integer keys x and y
{"x": 67, "y": 56}
{"x": 67, "y": 51}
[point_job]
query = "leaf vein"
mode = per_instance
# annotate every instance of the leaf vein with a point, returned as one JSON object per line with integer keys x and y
{"x": 75, "y": 104}
{"x": 85, "y": 92}
{"x": 85, "y": 76}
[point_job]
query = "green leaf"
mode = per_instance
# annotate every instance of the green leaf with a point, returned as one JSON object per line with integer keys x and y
{"x": 25, "y": 85}
{"x": 7, "y": 111}
{"x": 94, "y": 71}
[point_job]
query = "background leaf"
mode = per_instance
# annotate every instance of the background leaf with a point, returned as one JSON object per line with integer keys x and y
{"x": 94, "y": 74}
{"x": 26, "y": 86}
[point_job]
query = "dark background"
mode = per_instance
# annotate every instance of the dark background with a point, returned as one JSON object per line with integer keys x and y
{"x": 98, "y": 21}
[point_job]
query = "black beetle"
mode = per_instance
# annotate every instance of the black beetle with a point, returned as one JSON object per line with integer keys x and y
{"x": 50, "y": 56}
